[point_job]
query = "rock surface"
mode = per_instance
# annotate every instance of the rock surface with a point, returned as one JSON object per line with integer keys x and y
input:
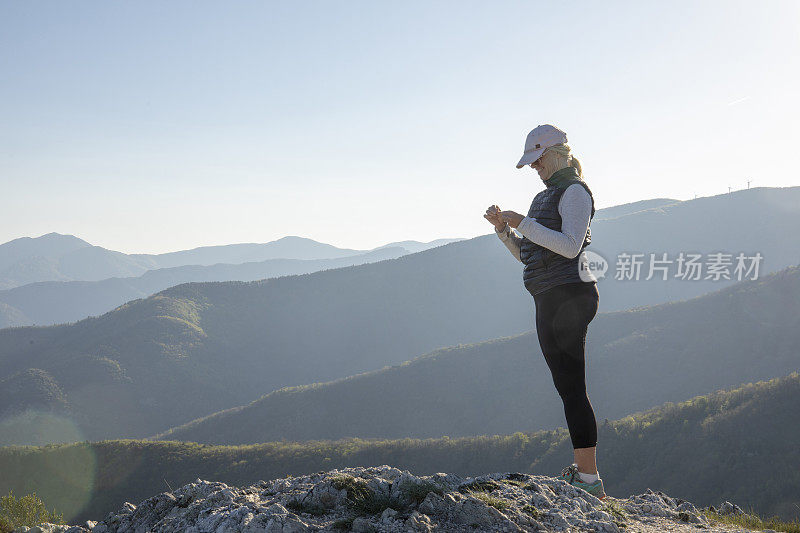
{"x": 387, "y": 500}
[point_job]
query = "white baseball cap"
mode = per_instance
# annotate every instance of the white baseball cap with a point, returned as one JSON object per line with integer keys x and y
{"x": 539, "y": 139}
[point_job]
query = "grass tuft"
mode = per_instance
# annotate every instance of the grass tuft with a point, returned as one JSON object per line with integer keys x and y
{"x": 362, "y": 500}
{"x": 751, "y": 520}
{"x": 484, "y": 486}
{"x": 498, "y": 503}
{"x": 416, "y": 492}
{"x": 300, "y": 507}
{"x": 618, "y": 514}
{"x": 531, "y": 510}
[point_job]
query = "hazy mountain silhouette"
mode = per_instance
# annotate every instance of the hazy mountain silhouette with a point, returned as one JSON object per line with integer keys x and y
{"x": 51, "y": 302}
{"x": 290, "y": 247}
{"x": 11, "y": 316}
{"x": 27, "y": 259}
{"x": 659, "y": 225}
{"x": 633, "y": 207}
{"x": 55, "y": 257}
{"x": 635, "y": 360}
{"x": 416, "y": 246}
{"x": 52, "y": 246}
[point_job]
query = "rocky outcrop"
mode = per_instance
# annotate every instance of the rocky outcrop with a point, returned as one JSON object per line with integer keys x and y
{"x": 386, "y": 499}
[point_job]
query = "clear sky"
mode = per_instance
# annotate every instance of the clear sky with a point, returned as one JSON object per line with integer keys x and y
{"x": 154, "y": 126}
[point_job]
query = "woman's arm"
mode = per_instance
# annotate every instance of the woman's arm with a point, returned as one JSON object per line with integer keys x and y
{"x": 510, "y": 239}
{"x": 575, "y": 208}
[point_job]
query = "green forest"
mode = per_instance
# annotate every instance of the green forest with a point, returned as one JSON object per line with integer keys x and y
{"x": 737, "y": 445}
{"x": 636, "y": 360}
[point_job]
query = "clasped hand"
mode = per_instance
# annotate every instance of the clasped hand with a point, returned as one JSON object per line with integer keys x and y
{"x": 499, "y": 218}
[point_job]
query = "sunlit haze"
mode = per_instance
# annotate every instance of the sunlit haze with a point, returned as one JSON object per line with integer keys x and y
{"x": 158, "y": 126}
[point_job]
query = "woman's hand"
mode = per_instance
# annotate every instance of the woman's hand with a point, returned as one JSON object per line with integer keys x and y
{"x": 512, "y": 218}
{"x": 493, "y": 215}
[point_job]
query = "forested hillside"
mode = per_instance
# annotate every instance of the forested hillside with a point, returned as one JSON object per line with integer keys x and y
{"x": 177, "y": 357}
{"x": 635, "y": 360}
{"x": 198, "y": 348}
{"x": 737, "y": 445}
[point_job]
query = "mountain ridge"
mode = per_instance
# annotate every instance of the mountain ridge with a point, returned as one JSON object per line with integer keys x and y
{"x": 183, "y": 349}
{"x": 58, "y": 302}
{"x": 57, "y": 257}
{"x": 404, "y": 400}
{"x": 667, "y": 226}
{"x": 169, "y": 346}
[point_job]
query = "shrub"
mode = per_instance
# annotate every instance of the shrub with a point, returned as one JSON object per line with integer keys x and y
{"x": 25, "y": 511}
{"x": 360, "y": 498}
{"x": 416, "y": 492}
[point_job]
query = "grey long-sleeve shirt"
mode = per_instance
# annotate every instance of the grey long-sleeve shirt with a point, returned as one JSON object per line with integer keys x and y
{"x": 575, "y": 208}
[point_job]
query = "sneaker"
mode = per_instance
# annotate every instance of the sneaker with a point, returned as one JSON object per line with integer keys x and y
{"x": 571, "y": 475}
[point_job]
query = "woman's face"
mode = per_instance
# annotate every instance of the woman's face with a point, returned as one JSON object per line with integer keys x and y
{"x": 538, "y": 167}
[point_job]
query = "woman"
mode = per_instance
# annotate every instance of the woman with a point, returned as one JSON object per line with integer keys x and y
{"x": 550, "y": 242}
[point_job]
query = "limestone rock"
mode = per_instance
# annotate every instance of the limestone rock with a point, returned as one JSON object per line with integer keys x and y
{"x": 385, "y": 499}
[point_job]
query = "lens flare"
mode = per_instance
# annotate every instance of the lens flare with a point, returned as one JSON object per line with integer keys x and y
{"x": 62, "y": 475}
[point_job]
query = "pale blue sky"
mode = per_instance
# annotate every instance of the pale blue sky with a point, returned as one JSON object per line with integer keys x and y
{"x": 155, "y": 126}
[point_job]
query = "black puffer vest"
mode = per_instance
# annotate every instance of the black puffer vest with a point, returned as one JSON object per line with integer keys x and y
{"x": 545, "y": 268}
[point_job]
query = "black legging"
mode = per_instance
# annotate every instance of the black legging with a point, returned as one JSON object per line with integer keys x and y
{"x": 563, "y": 313}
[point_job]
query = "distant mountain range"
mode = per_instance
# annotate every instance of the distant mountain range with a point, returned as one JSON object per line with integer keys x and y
{"x": 657, "y": 226}
{"x": 635, "y": 360}
{"x": 57, "y": 279}
{"x": 59, "y": 302}
{"x": 185, "y": 351}
{"x": 56, "y": 257}
{"x": 178, "y": 355}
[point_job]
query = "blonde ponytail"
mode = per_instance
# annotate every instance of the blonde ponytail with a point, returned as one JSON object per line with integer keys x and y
{"x": 573, "y": 162}
{"x": 560, "y": 156}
